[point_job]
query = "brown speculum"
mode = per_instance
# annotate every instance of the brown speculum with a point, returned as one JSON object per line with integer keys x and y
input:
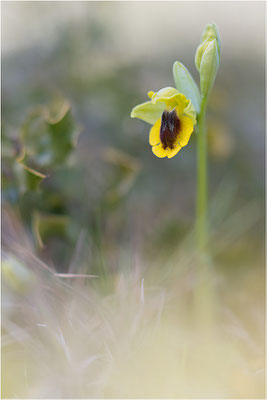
{"x": 169, "y": 129}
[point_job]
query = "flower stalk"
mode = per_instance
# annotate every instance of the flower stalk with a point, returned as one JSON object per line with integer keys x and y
{"x": 207, "y": 61}
{"x": 204, "y": 293}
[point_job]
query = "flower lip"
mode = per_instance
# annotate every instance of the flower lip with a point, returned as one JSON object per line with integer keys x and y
{"x": 169, "y": 129}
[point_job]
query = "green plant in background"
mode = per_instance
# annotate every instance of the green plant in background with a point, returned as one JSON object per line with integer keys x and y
{"x": 174, "y": 113}
{"x": 45, "y": 184}
{"x": 44, "y": 145}
{"x": 46, "y": 140}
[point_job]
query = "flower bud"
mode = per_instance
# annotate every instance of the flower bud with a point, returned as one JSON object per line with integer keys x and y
{"x": 207, "y": 57}
{"x": 211, "y": 33}
{"x": 208, "y": 68}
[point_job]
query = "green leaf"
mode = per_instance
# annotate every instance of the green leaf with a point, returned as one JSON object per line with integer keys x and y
{"x": 63, "y": 133}
{"x": 185, "y": 84}
{"x": 28, "y": 178}
{"x": 48, "y": 136}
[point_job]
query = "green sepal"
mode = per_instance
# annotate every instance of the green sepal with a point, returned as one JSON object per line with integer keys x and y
{"x": 208, "y": 68}
{"x": 191, "y": 112}
{"x": 148, "y": 112}
{"x": 185, "y": 84}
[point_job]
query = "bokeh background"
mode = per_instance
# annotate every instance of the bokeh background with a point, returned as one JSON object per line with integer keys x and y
{"x": 109, "y": 207}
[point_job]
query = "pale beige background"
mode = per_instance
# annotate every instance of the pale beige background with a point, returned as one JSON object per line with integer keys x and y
{"x": 144, "y": 26}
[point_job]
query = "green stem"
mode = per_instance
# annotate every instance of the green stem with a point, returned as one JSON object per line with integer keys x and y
{"x": 201, "y": 222}
{"x": 204, "y": 296}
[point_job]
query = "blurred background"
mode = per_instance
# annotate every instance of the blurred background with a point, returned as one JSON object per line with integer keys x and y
{"x": 82, "y": 193}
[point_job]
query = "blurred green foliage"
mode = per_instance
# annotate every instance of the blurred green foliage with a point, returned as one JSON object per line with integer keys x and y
{"x": 48, "y": 136}
{"x": 106, "y": 182}
{"x": 43, "y": 153}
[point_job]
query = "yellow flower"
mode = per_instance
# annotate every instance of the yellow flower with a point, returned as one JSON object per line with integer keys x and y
{"x": 173, "y": 117}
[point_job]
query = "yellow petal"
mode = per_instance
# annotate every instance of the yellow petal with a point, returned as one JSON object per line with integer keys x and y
{"x": 181, "y": 103}
{"x": 173, "y": 152}
{"x": 160, "y": 152}
{"x": 172, "y": 98}
{"x": 154, "y": 135}
{"x": 187, "y": 128}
